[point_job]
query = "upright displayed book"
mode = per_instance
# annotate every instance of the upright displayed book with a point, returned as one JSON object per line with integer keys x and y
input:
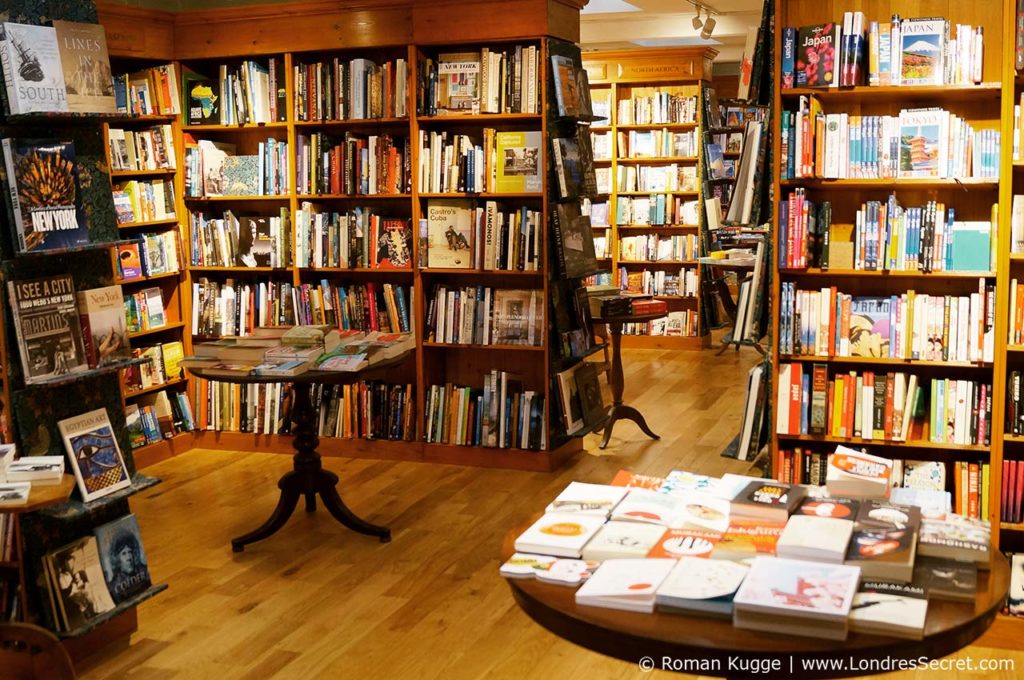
{"x": 31, "y": 62}
{"x": 47, "y": 327}
{"x": 94, "y": 454}
{"x": 76, "y": 584}
{"x": 125, "y": 569}
{"x": 104, "y": 333}
{"x": 86, "y": 65}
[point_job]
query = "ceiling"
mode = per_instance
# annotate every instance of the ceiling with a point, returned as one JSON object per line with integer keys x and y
{"x": 629, "y": 24}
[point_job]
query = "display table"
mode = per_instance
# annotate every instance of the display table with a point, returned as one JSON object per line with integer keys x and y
{"x": 307, "y": 477}
{"x": 714, "y": 647}
{"x": 618, "y": 410}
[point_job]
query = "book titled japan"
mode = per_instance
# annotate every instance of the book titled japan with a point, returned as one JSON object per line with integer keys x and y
{"x": 816, "y": 55}
{"x": 123, "y": 559}
{"x": 32, "y": 69}
{"x": 922, "y": 51}
{"x": 870, "y": 335}
{"x": 94, "y": 453}
{"x": 47, "y": 327}
{"x": 45, "y": 194}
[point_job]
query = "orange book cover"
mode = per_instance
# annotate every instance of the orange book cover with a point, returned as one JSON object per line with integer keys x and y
{"x": 835, "y": 398}
{"x": 796, "y": 474}
{"x": 1019, "y": 316}
{"x": 633, "y": 479}
{"x": 959, "y": 504}
{"x": 972, "y": 490}
{"x": 833, "y": 292}
{"x": 890, "y": 386}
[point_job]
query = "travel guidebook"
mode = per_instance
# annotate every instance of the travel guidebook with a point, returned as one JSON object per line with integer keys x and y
{"x": 923, "y": 134}
{"x": 47, "y": 327}
{"x": 816, "y": 55}
{"x": 45, "y": 195}
{"x": 95, "y": 456}
{"x": 921, "y": 52}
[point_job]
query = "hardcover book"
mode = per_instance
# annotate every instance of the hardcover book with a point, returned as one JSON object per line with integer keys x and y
{"x": 45, "y": 194}
{"x": 48, "y": 330}
{"x": 701, "y": 587}
{"x": 255, "y": 243}
{"x": 567, "y": 92}
{"x": 450, "y": 234}
{"x": 459, "y": 81}
{"x": 95, "y": 456}
{"x": 520, "y": 162}
{"x": 517, "y": 318}
{"x": 394, "y": 244}
{"x": 817, "y": 55}
{"x": 32, "y": 69}
{"x": 574, "y": 241}
{"x": 240, "y": 175}
{"x": 86, "y": 66}
{"x": 104, "y": 332}
{"x": 75, "y": 577}
{"x": 880, "y": 514}
{"x": 124, "y": 561}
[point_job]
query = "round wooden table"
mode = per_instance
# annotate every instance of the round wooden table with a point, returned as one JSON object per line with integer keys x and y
{"x": 307, "y": 478}
{"x": 707, "y": 646}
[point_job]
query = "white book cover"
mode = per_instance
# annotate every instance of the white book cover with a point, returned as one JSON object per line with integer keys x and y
{"x": 694, "y": 578}
{"x": 731, "y": 484}
{"x": 625, "y": 584}
{"x": 617, "y": 540}
{"x": 95, "y": 456}
{"x": 889, "y": 608}
{"x": 852, "y": 472}
{"x": 824, "y": 537}
{"x": 923, "y": 143}
{"x": 35, "y": 469}
{"x": 934, "y": 503}
{"x": 644, "y": 505}
{"x": 547, "y": 568}
{"x": 801, "y": 588}
{"x": 702, "y": 511}
{"x": 683, "y": 482}
{"x": 13, "y": 494}
{"x": 32, "y": 69}
{"x": 1016, "y": 595}
{"x": 591, "y": 499}
{"x": 559, "y": 534}
{"x": 922, "y": 51}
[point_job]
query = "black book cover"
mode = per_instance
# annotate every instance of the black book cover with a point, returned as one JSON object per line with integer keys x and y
{"x": 574, "y": 241}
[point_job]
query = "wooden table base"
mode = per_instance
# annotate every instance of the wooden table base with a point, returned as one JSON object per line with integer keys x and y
{"x": 308, "y": 479}
{"x": 620, "y": 411}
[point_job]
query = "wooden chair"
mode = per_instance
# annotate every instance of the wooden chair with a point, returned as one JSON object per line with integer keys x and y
{"x": 28, "y": 652}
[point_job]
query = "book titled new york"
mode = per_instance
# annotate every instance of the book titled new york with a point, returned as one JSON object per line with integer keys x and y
{"x": 47, "y": 327}
{"x": 124, "y": 561}
{"x": 817, "y": 55}
{"x": 45, "y": 194}
{"x": 95, "y": 456}
{"x": 104, "y": 332}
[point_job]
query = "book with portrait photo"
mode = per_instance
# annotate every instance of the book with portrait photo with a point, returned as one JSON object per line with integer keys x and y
{"x": 78, "y": 590}
{"x": 95, "y": 456}
{"x": 47, "y": 327}
{"x": 124, "y": 561}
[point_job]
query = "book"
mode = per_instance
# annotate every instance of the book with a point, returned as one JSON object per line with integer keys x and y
{"x": 574, "y": 241}
{"x": 124, "y": 561}
{"x": 590, "y": 499}
{"x": 957, "y": 538}
{"x": 47, "y": 327}
{"x": 548, "y": 569}
{"x": 881, "y": 514}
{"x": 701, "y": 587}
{"x": 745, "y": 539}
{"x": 134, "y": 426}
{"x": 680, "y": 543}
{"x": 591, "y": 398}
{"x": 796, "y": 597}
{"x": 129, "y": 261}
{"x": 45, "y": 194}
{"x": 31, "y": 63}
{"x": 817, "y": 55}
{"x": 894, "y": 609}
{"x": 922, "y": 43}
{"x": 76, "y": 583}
{"x": 14, "y": 494}
{"x": 922, "y": 145}
{"x": 567, "y": 92}
{"x": 101, "y": 312}
{"x": 632, "y": 479}
{"x": 701, "y": 511}
{"x": 621, "y": 540}
{"x": 39, "y": 470}
{"x": 86, "y": 66}
{"x": 627, "y": 584}
{"x": 684, "y": 482}
{"x": 517, "y": 317}
{"x": 520, "y": 162}
{"x": 644, "y": 505}
{"x": 856, "y": 474}
{"x": 818, "y": 539}
{"x": 203, "y": 103}
{"x": 450, "y": 232}
{"x": 394, "y": 244}
{"x": 767, "y": 501}
{"x": 458, "y": 82}
{"x": 946, "y": 579}
{"x": 559, "y": 534}
{"x": 95, "y": 456}
{"x": 836, "y": 508}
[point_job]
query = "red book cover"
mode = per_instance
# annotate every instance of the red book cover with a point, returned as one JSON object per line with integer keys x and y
{"x": 795, "y": 386}
{"x": 371, "y": 295}
{"x": 828, "y": 411}
{"x": 790, "y": 227}
{"x": 973, "y": 482}
{"x": 890, "y": 385}
{"x": 1018, "y": 489}
{"x": 1004, "y": 497}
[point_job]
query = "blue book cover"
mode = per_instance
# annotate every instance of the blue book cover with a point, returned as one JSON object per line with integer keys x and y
{"x": 124, "y": 561}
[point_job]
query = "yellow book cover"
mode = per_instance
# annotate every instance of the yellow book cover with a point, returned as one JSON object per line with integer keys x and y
{"x": 520, "y": 162}
{"x": 173, "y": 354}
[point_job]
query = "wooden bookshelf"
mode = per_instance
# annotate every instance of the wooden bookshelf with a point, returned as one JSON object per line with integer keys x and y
{"x": 614, "y": 75}
{"x": 411, "y": 30}
{"x": 988, "y": 105}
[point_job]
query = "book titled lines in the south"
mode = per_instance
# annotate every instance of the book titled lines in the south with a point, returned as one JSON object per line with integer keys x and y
{"x": 44, "y": 194}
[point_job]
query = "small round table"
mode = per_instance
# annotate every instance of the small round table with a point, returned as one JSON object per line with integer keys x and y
{"x": 618, "y": 410}
{"x": 707, "y": 646}
{"x": 307, "y": 477}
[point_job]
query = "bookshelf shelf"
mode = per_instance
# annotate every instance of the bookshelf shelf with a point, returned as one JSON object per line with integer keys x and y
{"x": 74, "y": 507}
{"x": 146, "y": 279}
{"x": 887, "y": 184}
{"x": 146, "y": 225}
{"x": 240, "y": 270}
{"x": 1016, "y": 257}
{"x": 481, "y": 272}
{"x": 480, "y": 119}
{"x": 142, "y": 173}
{"x": 648, "y": 227}
{"x": 898, "y": 93}
{"x": 352, "y": 197}
{"x": 1013, "y": 439}
{"x": 159, "y": 329}
{"x": 246, "y": 127}
{"x": 359, "y": 271}
{"x": 154, "y": 388}
{"x": 812, "y": 271}
{"x": 1011, "y": 526}
{"x": 499, "y": 348}
{"x": 884, "y": 361}
{"x": 122, "y": 607}
{"x": 69, "y": 378}
{"x": 859, "y": 441}
{"x": 351, "y": 123}
{"x": 656, "y": 262}
{"x": 648, "y": 193}
{"x": 484, "y": 194}
{"x": 262, "y": 197}
{"x": 661, "y": 159}
{"x": 657, "y": 126}
{"x": 1015, "y": 348}
{"x": 692, "y": 299}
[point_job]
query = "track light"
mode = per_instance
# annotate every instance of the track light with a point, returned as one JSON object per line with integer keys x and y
{"x": 709, "y": 26}
{"x": 697, "y": 23}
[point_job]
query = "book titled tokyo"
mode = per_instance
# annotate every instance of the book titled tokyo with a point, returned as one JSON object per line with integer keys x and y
{"x": 922, "y": 51}
{"x": 817, "y": 54}
{"x": 95, "y": 456}
{"x": 922, "y": 137}
{"x": 124, "y": 561}
{"x": 47, "y": 327}
{"x": 45, "y": 194}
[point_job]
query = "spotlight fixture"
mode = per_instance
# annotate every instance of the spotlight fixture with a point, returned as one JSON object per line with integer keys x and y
{"x": 709, "y": 26}
{"x": 697, "y": 23}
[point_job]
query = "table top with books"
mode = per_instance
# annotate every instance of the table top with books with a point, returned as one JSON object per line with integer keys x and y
{"x": 689, "y": 564}
{"x": 32, "y": 482}
{"x": 609, "y": 304}
{"x": 308, "y": 354}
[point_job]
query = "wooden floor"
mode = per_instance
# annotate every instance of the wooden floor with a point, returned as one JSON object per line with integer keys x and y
{"x": 317, "y": 601}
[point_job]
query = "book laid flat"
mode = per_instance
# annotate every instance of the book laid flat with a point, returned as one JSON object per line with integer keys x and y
{"x": 796, "y": 597}
{"x": 702, "y": 511}
{"x": 39, "y": 470}
{"x": 559, "y": 534}
{"x": 881, "y": 608}
{"x": 819, "y": 539}
{"x": 625, "y": 584}
{"x": 701, "y": 587}
{"x": 621, "y": 540}
{"x": 957, "y": 538}
{"x": 768, "y": 501}
{"x": 548, "y": 569}
{"x": 591, "y": 499}
{"x": 679, "y": 543}
{"x": 746, "y": 539}
{"x": 946, "y": 579}
{"x": 13, "y": 494}
{"x": 643, "y": 505}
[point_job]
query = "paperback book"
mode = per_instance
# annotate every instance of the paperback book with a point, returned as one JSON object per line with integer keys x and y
{"x": 701, "y": 587}
{"x": 101, "y": 311}
{"x": 77, "y": 587}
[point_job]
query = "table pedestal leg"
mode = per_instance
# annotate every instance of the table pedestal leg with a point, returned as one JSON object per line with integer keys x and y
{"x": 619, "y": 411}
{"x": 308, "y": 478}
